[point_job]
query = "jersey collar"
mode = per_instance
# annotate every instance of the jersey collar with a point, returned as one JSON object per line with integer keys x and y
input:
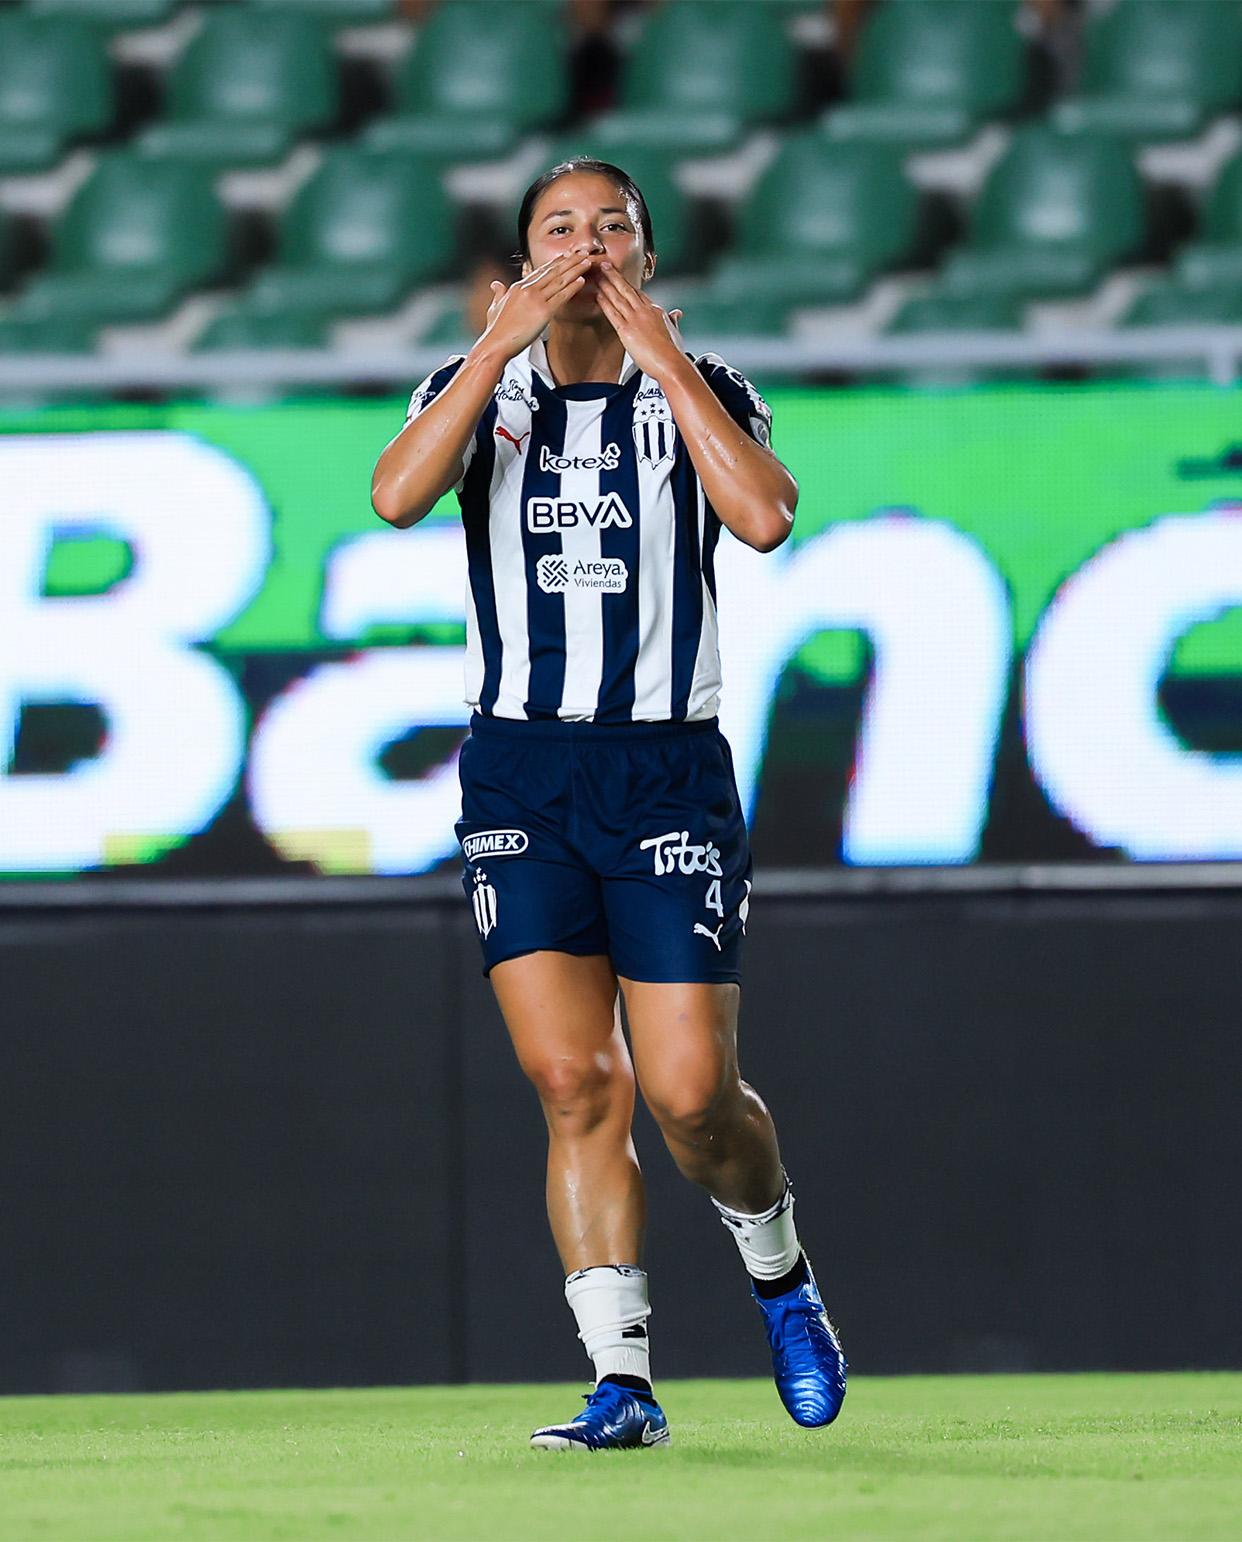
{"x": 537, "y": 355}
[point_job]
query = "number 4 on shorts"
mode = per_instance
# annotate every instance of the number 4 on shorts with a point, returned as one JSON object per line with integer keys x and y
{"x": 713, "y": 900}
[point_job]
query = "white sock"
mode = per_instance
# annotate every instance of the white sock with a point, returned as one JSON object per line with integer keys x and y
{"x": 610, "y": 1303}
{"x": 768, "y": 1243}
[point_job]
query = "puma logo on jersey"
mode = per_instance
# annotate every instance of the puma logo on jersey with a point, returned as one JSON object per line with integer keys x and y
{"x": 503, "y": 433}
{"x": 701, "y": 931}
{"x": 549, "y": 514}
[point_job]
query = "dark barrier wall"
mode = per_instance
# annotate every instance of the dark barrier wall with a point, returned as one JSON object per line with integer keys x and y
{"x": 292, "y": 1147}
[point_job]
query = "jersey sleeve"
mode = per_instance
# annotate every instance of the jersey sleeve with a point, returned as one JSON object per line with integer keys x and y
{"x": 738, "y": 397}
{"x": 426, "y": 392}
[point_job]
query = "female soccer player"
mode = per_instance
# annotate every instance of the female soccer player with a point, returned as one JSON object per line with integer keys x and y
{"x": 603, "y": 842}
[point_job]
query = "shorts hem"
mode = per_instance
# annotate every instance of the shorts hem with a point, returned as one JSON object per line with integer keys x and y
{"x": 543, "y": 947}
{"x": 725, "y": 977}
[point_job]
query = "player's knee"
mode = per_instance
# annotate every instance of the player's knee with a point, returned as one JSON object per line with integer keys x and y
{"x": 579, "y": 1090}
{"x": 695, "y": 1111}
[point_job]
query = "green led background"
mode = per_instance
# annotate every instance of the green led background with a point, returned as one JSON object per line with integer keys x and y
{"x": 1041, "y": 477}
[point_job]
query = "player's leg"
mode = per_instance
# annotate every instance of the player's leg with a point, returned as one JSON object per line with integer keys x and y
{"x": 562, "y": 1015}
{"x": 721, "y": 1135}
{"x": 715, "y": 1125}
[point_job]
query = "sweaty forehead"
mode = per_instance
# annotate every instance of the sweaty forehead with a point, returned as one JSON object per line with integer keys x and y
{"x": 581, "y": 193}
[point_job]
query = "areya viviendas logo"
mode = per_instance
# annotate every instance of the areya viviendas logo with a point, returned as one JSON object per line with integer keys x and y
{"x": 557, "y": 574}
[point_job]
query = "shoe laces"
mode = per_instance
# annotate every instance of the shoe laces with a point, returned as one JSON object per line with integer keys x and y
{"x": 605, "y": 1392}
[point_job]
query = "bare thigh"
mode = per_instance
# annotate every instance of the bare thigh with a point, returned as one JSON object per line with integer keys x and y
{"x": 561, "y": 1013}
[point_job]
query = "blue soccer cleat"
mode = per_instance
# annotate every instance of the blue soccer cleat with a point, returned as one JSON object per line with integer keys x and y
{"x": 807, "y": 1359}
{"x": 614, "y": 1419}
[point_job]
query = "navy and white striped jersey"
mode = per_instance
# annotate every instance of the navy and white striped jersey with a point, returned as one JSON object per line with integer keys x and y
{"x": 591, "y": 547}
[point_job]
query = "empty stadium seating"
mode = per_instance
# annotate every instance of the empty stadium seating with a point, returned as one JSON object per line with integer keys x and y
{"x": 930, "y": 71}
{"x": 708, "y": 316}
{"x": 108, "y": 13}
{"x": 941, "y": 312}
{"x": 137, "y": 236}
{"x": 239, "y": 327}
{"x": 480, "y": 74}
{"x": 46, "y": 334}
{"x": 1157, "y": 69}
{"x": 1055, "y": 213}
{"x": 417, "y": 126}
{"x": 701, "y": 72}
{"x": 365, "y": 229}
{"x": 336, "y": 12}
{"x": 1173, "y": 304}
{"x": 245, "y": 87}
{"x": 54, "y": 88}
{"x": 823, "y": 220}
{"x": 1216, "y": 258}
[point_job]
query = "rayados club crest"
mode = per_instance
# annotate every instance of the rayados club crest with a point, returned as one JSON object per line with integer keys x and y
{"x": 655, "y": 437}
{"x": 484, "y": 900}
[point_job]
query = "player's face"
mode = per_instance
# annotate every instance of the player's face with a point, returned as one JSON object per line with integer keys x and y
{"x": 582, "y": 212}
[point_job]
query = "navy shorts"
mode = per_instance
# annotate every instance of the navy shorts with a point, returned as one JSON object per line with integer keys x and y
{"x": 587, "y": 838}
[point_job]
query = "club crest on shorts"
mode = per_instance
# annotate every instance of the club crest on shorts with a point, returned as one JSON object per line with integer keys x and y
{"x": 655, "y": 437}
{"x": 484, "y": 902}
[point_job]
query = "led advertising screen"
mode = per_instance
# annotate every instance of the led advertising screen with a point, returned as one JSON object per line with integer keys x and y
{"x": 1007, "y": 628}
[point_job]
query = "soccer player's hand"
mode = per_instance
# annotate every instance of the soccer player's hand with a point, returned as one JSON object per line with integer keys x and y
{"x": 519, "y": 313}
{"x": 649, "y": 333}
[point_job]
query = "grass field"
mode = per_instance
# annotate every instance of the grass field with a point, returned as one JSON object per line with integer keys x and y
{"x": 934, "y": 1458}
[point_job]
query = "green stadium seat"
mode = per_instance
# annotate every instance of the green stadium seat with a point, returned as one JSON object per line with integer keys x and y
{"x": 1157, "y": 69}
{"x": 448, "y": 329}
{"x": 1216, "y": 259}
{"x": 55, "y": 87}
{"x": 135, "y": 237}
{"x": 363, "y": 231}
{"x": 481, "y": 74}
{"x": 46, "y": 334}
{"x": 1170, "y": 304}
{"x": 701, "y": 73}
{"x": 338, "y": 13}
{"x": 822, "y": 221}
{"x": 244, "y": 328}
{"x": 928, "y": 72}
{"x": 939, "y": 312}
{"x": 676, "y": 237}
{"x": 1055, "y": 214}
{"x": 113, "y": 15}
{"x": 709, "y": 316}
{"x": 1176, "y": 305}
{"x": 246, "y": 86}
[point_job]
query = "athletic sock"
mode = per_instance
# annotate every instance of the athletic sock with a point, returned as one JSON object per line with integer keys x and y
{"x": 767, "y": 1242}
{"x": 798, "y": 1275}
{"x": 610, "y": 1304}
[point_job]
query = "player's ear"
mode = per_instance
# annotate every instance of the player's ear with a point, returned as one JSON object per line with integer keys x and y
{"x": 649, "y": 267}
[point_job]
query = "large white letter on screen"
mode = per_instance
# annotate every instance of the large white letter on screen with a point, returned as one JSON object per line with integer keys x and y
{"x": 199, "y": 531}
{"x": 316, "y": 788}
{"x": 1097, "y": 743}
{"x": 938, "y": 618}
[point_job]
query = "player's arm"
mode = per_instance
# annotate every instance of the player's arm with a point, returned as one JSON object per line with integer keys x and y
{"x": 749, "y": 488}
{"x": 427, "y": 457}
